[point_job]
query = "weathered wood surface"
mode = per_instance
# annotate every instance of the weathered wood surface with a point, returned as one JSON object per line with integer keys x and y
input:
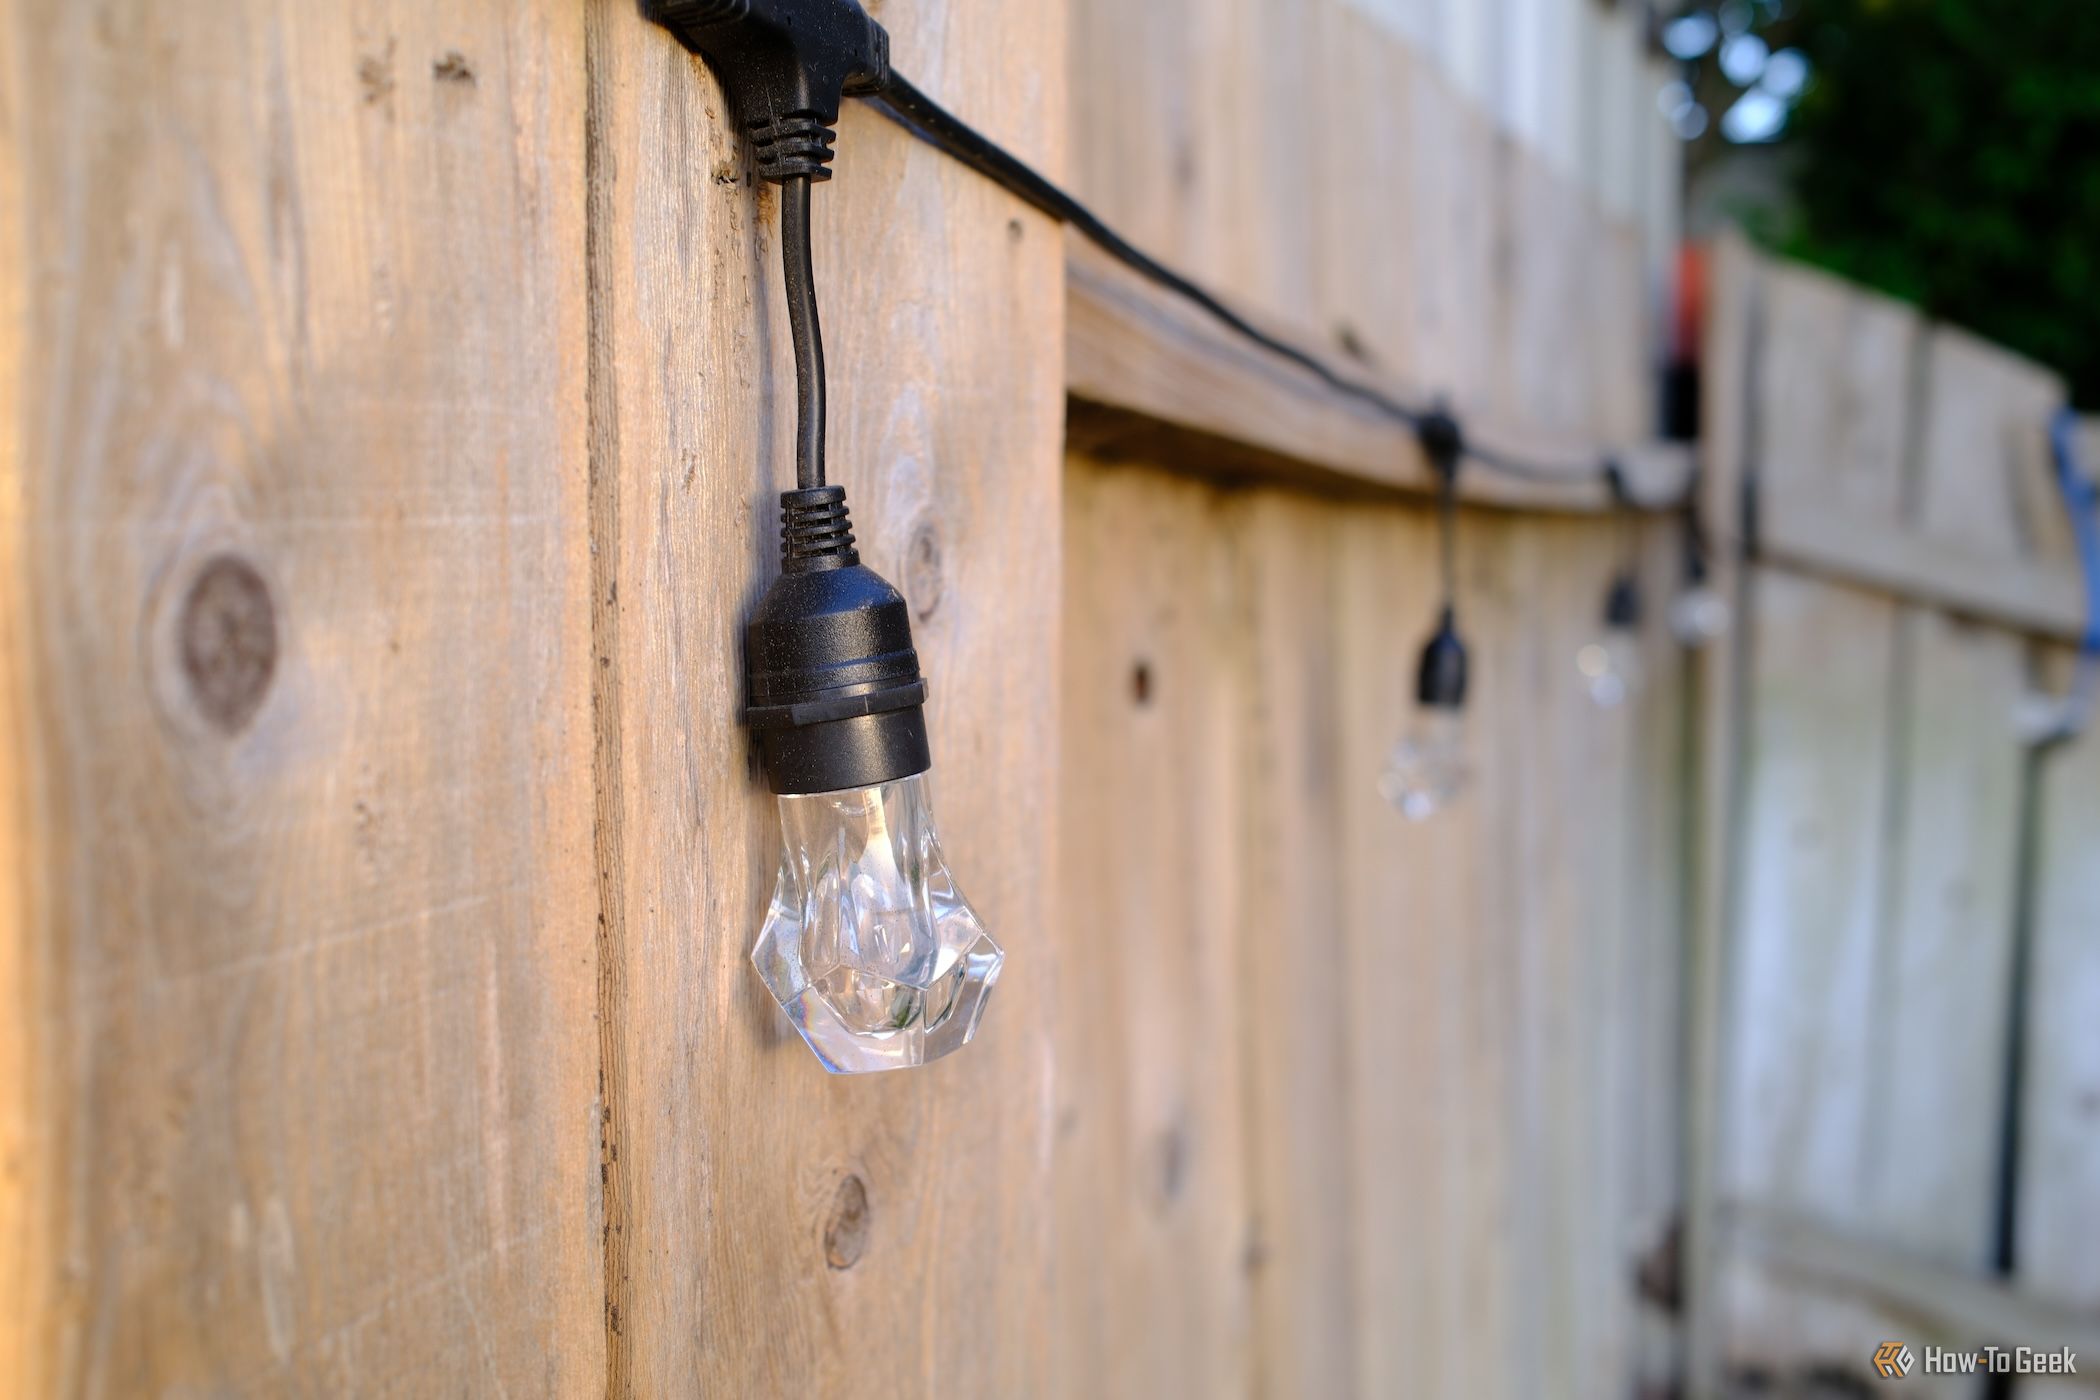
{"x": 1372, "y": 1114}
{"x": 300, "y": 1070}
{"x": 773, "y": 1230}
{"x": 1869, "y": 950}
{"x": 1411, "y": 250}
{"x": 2060, "y": 1141}
{"x": 1906, "y": 458}
{"x": 1156, "y": 1257}
{"x": 394, "y": 405}
{"x": 1154, "y": 378}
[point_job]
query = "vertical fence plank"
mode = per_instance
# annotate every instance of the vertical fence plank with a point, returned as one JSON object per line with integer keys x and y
{"x": 298, "y": 701}
{"x": 1295, "y": 958}
{"x": 1984, "y": 470}
{"x": 1808, "y": 927}
{"x": 2060, "y": 1144}
{"x": 772, "y": 1229}
{"x": 1946, "y": 956}
{"x": 1425, "y": 1033}
{"x": 1834, "y": 398}
{"x": 1154, "y": 1256}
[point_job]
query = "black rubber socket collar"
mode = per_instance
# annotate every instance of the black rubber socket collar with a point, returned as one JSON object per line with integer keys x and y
{"x": 835, "y": 691}
{"x": 1440, "y": 682}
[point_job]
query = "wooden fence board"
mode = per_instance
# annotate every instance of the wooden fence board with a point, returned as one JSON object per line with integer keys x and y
{"x": 1834, "y": 399}
{"x": 1428, "y": 1003}
{"x": 299, "y": 891}
{"x": 1984, "y": 469}
{"x": 1209, "y": 135}
{"x": 1809, "y": 916}
{"x": 772, "y": 1229}
{"x": 2060, "y": 1143}
{"x": 1871, "y": 973}
{"x": 1154, "y": 1255}
{"x": 1938, "y": 1026}
{"x": 1295, "y": 959}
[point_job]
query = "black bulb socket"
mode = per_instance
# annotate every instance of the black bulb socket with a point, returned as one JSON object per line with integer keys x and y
{"x": 836, "y": 697}
{"x": 1440, "y": 682}
{"x": 1622, "y": 603}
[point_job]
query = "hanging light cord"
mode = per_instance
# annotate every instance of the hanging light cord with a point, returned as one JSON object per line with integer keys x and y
{"x": 905, "y": 104}
{"x": 803, "y": 327}
{"x": 1447, "y": 536}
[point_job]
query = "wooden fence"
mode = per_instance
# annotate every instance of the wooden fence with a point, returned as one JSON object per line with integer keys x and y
{"x": 1904, "y": 901}
{"x": 394, "y": 407}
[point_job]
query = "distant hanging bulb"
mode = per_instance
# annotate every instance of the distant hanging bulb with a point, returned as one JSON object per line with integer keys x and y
{"x": 869, "y": 947}
{"x": 1699, "y": 616}
{"x": 1428, "y": 769}
{"x": 1610, "y": 666}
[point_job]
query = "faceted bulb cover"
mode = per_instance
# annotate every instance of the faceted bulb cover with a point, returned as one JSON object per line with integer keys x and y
{"x": 1610, "y": 668}
{"x": 869, "y": 947}
{"x": 1427, "y": 768}
{"x": 1699, "y": 615}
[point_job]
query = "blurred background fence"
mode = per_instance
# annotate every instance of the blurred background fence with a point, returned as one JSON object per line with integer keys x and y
{"x": 394, "y": 400}
{"x": 1903, "y": 1124}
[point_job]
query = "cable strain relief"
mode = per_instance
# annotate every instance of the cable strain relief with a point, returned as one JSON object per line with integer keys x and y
{"x": 793, "y": 145}
{"x": 815, "y": 530}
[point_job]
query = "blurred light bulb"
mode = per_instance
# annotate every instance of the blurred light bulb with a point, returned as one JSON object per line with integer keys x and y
{"x": 869, "y": 947}
{"x": 1699, "y": 616}
{"x": 1610, "y": 666}
{"x": 1427, "y": 768}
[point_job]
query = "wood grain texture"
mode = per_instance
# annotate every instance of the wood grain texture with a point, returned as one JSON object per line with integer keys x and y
{"x": 1425, "y": 1068}
{"x": 1155, "y": 1255}
{"x": 1153, "y": 378}
{"x": 1324, "y": 167}
{"x": 735, "y": 1166}
{"x": 297, "y": 860}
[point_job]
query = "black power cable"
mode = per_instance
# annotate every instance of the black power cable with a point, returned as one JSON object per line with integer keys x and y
{"x": 803, "y": 327}
{"x": 934, "y": 124}
{"x": 788, "y": 64}
{"x": 904, "y": 103}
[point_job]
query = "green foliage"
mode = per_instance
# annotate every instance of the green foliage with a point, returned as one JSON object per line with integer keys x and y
{"x": 1949, "y": 153}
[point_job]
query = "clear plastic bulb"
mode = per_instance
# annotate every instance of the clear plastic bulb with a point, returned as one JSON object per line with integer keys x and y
{"x": 1611, "y": 667}
{"x": 1427, "y": 768}
{"x": 869, "y": 947}
{"x": 1699, "y": 615}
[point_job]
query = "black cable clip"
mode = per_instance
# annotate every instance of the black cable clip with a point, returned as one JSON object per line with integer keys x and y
{"x": 1443, "y": 441}
{"x": 786, "y": 65}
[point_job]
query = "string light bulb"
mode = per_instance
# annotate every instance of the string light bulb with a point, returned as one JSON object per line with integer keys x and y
{"x": 1427, "y": 768}
{"x": 1610, "y": 664}
{"x": 1698, "y": 616}
{"x": 869, "y": 947}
